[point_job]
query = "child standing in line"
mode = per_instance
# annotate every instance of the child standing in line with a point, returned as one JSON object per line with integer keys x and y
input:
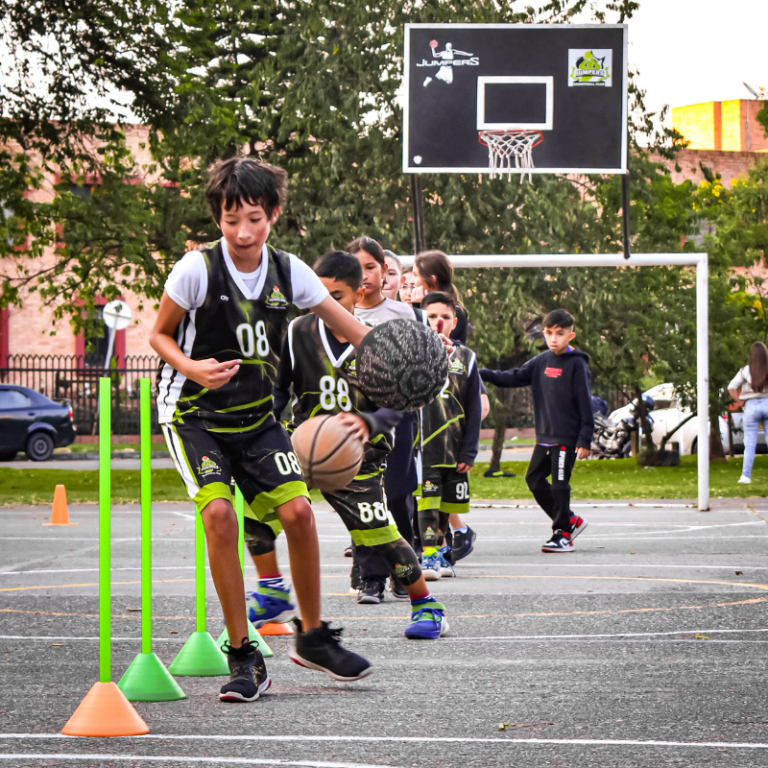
{"x": 559, "y": 379}
{"x": 451, "y": 438}
{"x": 318, "y": 373}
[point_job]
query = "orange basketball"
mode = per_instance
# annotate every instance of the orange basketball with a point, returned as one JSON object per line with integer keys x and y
{"x": 329, "y": 457}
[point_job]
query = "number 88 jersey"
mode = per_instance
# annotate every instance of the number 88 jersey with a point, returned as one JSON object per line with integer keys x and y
{"x": 325, "y": 382}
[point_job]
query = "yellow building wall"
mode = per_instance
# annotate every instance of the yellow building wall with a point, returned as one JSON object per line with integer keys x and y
{"x": 731, "y": 125}
{"x": 697, "y": 123}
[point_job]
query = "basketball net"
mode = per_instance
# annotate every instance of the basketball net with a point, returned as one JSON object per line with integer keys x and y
{"x": 505, "y": 145}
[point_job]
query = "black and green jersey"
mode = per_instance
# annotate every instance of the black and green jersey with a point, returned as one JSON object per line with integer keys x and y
{"x": 228, "y": 322}
{"x": 450, "y": 425}
{"x": 322, "y": 372}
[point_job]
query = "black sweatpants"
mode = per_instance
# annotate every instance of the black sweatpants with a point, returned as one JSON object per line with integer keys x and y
{"x": 554, "y": 498}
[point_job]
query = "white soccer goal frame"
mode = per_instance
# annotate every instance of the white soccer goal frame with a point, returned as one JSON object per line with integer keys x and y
{"x": 698, "y": 260}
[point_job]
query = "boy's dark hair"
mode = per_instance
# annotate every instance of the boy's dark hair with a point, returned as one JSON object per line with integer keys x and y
{"x": 559, "y": 318}
{"x": 437, "y": 297}
{"x": 369, "y": 245}
{"x": 230, "y": 182}
{"x": 340, "y": 265}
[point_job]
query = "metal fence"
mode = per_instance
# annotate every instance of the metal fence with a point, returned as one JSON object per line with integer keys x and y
{"x": 74, "y": 379}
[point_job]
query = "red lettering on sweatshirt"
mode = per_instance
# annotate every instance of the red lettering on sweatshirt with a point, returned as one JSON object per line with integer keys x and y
{"x": 553, "y": 373}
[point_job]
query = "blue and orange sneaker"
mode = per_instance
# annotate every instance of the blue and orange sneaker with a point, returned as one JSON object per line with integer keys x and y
{"x": 269, "y": 606}
{"x": 427, "y": 621}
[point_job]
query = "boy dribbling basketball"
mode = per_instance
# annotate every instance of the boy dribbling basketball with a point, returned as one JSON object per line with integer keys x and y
{"x": 318, "y": 365}
{"x": 451, "y": 438}
{"x": 218, "y": 331}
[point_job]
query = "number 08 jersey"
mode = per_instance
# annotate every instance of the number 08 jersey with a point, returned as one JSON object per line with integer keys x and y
{"x": 326, "y": 383}
{"x": 227, "y": 319}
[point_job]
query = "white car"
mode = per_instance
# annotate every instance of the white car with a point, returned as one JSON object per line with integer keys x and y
{"x": 668, "y": 414}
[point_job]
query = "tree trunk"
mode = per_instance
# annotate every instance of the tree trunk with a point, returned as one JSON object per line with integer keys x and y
{"x": 716, "y": 452}
{"x": 500, "y": 407}
{"x": 498, "y": 442}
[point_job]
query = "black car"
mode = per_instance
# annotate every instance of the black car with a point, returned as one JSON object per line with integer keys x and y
{"x": 33, "y": 423}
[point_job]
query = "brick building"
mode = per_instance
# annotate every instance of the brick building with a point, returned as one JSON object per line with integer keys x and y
{"x": 32, "y": 330}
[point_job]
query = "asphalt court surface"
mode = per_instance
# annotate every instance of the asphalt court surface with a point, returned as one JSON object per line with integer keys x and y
{"x": 644, "y": 647}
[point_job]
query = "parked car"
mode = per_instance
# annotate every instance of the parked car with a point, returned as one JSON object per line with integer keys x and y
{"x": 668, "y": 413}
{"x": 32, "y": 423}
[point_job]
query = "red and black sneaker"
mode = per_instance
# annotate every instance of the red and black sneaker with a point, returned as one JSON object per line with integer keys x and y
{"x": 578, "y": 524}
{"x": 560, "y": 542}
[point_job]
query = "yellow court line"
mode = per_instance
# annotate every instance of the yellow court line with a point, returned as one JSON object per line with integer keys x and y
{"x": 469, "y": 576}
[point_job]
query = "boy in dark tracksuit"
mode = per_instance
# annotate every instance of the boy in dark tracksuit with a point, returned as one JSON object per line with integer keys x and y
{"x": 559, "y": 379}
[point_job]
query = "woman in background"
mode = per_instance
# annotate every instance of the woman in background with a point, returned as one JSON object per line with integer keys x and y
{"x": 749, "y": 388}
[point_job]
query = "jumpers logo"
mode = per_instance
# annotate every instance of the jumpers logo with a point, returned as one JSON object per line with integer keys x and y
{"x": 561, "y": 465}
{"x": 590, "y": 68}
{"x": 446, "y": 61}
{"x": 553, "y": 373}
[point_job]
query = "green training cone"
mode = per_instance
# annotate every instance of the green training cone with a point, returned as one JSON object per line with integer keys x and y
{"x": 254, "y": 636}
{"x": 147, "y": 679}
{"x": 199, "y": 657}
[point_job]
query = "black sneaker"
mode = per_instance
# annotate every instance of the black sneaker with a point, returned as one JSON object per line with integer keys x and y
{"x": 397, "y": 589}
{"x": 371, "y": 592}
{"x": 560, "y": 542}
{"x": 355, "y": 582}
{"x": 321, "y": 649}
{"x": 463, "y": 544}
{"x": 498, "y": 473}
{"x": 248, "y": 676}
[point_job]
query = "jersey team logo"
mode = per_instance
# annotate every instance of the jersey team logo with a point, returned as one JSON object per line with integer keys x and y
{"x": 276, "y": 300}
{"x": 457, "y": 367}
{"x": 429, "y": 487}
{"x": 208, "y": 467}
{"x": 590, "y": 67}
{"x": 351, "y": 367}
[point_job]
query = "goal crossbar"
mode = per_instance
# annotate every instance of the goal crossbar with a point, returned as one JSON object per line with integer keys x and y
{"x": 698, "y": 260}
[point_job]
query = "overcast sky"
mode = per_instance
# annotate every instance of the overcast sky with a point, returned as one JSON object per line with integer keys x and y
{"x": 689, "y": 51}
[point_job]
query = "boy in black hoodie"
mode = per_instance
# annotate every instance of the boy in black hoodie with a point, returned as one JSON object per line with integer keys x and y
{"x": 559, "y": 379}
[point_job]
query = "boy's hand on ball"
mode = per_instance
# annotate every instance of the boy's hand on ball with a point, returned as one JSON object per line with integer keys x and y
{"x": 212, "y": 374}
{"x": 463, "y": 467}
{"x": 357, "y": 426}
{"x": 582, "y": 453}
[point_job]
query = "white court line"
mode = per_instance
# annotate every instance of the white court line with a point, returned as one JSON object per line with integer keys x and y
{"x": 98, "y": 757}
{"x": 585, "y": 505}
{"x": 405, "y": 739}
{"x": 514, "y": 566}
{"x": 494, "y": 638}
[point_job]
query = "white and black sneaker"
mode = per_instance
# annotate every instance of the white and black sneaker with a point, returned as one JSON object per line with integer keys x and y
{"x": 248, "y": 676}
{"x": 321, "y": 649}
{"x": 371, "y": 592}
{"x": 560, "y": 542}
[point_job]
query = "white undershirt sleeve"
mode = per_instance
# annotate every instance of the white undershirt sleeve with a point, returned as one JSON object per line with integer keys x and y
{"x": 188, "y": 282}
{"x": 308, "y": 289}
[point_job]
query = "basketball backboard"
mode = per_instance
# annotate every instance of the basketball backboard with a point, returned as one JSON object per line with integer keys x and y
{"x": 557, "y": 90}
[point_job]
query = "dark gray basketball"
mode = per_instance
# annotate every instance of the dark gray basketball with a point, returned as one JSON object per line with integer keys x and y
{"x": 402, "y": 365}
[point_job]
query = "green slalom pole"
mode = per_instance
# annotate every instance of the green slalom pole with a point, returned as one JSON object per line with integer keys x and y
{"x": 147, "y": 679}
{"x": 200, "y": 656}
{"x": 253, "y": 633}
{"x": 105, "y": 530}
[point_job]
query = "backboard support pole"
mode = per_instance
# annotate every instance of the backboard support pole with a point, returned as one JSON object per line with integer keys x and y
{"x": 417, "y": 200}
{"x": 625, "y": 211}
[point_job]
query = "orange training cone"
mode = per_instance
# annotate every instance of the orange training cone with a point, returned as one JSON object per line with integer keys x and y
{"x": 272, "y": 630}
{"x": 60, "y": 511}
{"x": 105, "y": 712}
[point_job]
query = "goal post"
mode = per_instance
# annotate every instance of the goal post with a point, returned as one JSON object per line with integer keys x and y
{"x": 698, "y": 260}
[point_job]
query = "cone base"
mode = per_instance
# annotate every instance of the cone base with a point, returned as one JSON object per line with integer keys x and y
{"x": 105, "y": 712}
{"x": 275, "y": 630}
{"x": 199, "y": 657}
{"x": 57, "y": 524}
{"x": 147, "y": 679}
{"x": 253, "y": 636}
